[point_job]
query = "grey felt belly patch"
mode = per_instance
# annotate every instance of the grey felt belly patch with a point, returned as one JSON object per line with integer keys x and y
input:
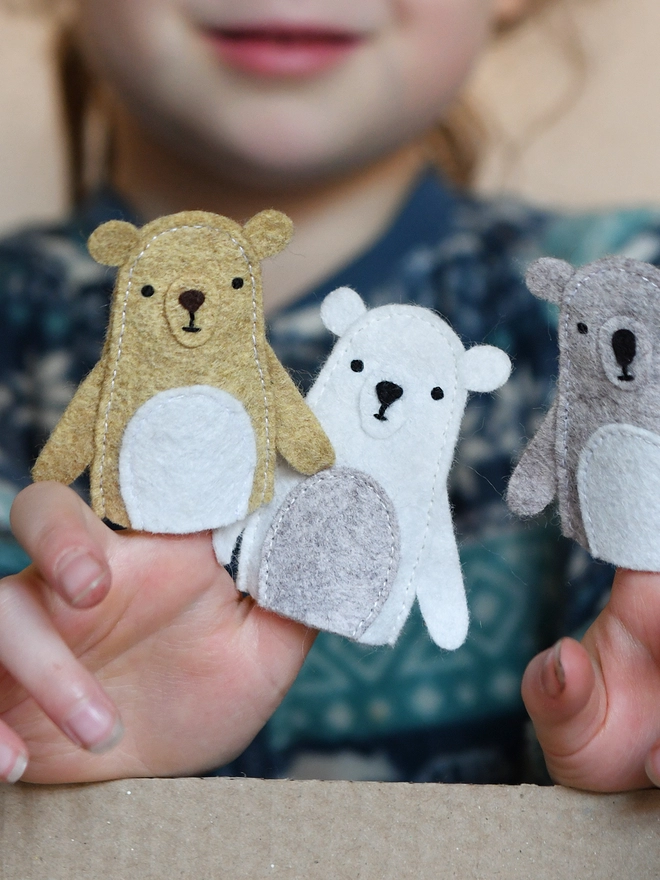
{"x": 598, "y": 449}
{"x": 344, "y": 529}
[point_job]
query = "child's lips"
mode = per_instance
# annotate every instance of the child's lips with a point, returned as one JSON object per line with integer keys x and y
{"x": 282, "y": 51}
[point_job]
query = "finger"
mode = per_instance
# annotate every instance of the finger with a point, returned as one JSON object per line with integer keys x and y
{"x": 565, "y": 699}
{"x": 634, "y": 602}
{"x": 66, "y": 541}
{"x": 281, "y": 646}
{"x": 652, "y": 765}
{"x": 35, "y": 655}
{"x": 13, "y": 755}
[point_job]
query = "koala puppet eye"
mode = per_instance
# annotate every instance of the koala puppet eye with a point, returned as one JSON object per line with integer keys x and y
{"x": 437, "y": 393}
{"x": 237, "y": 283}
{"x": 147, "y": 290}
{"x": 582, "y": 328}
{"x": 357, "y": 366}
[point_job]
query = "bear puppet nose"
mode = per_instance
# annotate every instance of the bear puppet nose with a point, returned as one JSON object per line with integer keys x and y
{"x": 387, "y": 393}
{"x": 191, "y": 300}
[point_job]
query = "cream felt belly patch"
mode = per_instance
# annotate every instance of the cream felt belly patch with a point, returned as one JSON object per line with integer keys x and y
{"x": 597, "y": 451}
{"x": 187, "y": 461}
{"x": 618, "y": 483}
{"x": 350, "y": 549}
{"x": 186, "y": 312}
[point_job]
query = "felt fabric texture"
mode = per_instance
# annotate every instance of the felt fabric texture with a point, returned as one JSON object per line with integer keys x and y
{"x": 619, "y": 486}
{"x": 187, "y": 311}
{"x": 377, "y": 399}
{"x": 331, "y": 553}
{"x": 609, "y": 336}
{"x": 187, "y": 461}
{"x": 533, "y": 483}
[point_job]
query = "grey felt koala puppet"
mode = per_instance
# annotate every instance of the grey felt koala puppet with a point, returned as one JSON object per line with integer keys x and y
{"x": 598, "y": 449}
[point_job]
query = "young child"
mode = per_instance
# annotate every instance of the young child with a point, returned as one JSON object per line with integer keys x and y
{"x": 320, "y": 109}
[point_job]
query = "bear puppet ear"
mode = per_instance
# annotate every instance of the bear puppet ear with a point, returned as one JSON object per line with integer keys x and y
{"x": 268, "y": 232}
{"x": 547, "y": 278}
{"x": 111, "y": 242}
{"x": 341, "y": 308}
{"x": 484, "y": 368}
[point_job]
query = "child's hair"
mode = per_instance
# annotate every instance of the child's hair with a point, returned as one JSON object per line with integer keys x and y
{"x": 455, "y": 144}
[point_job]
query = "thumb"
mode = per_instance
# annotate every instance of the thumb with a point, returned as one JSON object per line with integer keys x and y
{"x": 564, "y": 694}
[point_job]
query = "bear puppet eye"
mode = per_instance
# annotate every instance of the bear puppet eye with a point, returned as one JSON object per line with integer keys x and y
{"x": 437, "y": 393}
{"x": 357, "y": 366}
{"x": 582, "y": 328}
{"x": 237, "y": 283}
{"x": 147, "y": 290}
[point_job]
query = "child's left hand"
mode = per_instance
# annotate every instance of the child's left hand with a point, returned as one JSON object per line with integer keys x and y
{"x": 594, "y": 704}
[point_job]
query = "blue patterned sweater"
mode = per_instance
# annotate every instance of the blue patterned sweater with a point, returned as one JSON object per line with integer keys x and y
{"x": 412, "y": 712}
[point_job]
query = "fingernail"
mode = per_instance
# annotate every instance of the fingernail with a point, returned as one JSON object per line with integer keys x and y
{"x": 12, "y": 764}
{"x": 79, "y": 574}
{"x": 553, "y": 678}
{"x": 94, "y": 727}
{"x": 652, "y": 766}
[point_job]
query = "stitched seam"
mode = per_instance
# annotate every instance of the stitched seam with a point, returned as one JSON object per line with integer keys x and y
{"x": 298, "y": 493}
{"x": 430, "y": 506}
{"x": 106, "y": 420}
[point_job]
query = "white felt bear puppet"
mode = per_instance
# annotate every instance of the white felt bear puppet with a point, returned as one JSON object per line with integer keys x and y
{"x": 349, "y": 549}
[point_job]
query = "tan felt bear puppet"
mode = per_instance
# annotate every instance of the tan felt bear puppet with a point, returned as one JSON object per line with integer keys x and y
{"x": 181, "y": 419}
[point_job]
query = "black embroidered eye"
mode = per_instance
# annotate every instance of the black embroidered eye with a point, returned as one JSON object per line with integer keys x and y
{"x": 582, "y": 328}
{"x": 147, "y": 290}
{"x": 237, "y": 283}
{"x": 437, "y": 393}
{"x": 357, "y": 366}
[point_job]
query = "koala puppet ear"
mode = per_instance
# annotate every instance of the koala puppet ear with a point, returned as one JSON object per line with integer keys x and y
{"x": 547, "y": 278}
{"x": 111, "y": 242}
{"x": 484, "y": 368}
{"x": 341, "y": 308}
{"x": 268, "y": 232}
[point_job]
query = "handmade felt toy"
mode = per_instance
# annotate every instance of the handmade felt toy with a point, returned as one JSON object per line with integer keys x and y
{"x": 349, "y": 549}
{"x": 598, "y": 449}
{"x": 181, "y": 419}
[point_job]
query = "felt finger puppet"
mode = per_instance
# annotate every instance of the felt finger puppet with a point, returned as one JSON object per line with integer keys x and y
{"x": 349, "y": 550}
{"x": 598, "y": 449}
{"x": 181, "y": 419}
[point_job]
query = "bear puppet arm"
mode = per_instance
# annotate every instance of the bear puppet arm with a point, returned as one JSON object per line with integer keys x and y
{"x": 439, "y": 581}
{"x": 300, "y": 438}
{"x": 533, "y": 483}
{"x": 70, "y": 447}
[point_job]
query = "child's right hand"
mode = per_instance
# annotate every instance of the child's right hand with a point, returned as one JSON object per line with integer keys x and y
{"x": 110, "y": 631}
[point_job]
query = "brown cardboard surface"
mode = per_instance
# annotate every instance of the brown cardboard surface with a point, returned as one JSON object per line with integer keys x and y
{"x": 245, "y": 828}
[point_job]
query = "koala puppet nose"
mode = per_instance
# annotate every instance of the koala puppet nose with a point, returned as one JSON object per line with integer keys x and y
{"x": 624, "y": 346}
{"x": 191, "y": 300}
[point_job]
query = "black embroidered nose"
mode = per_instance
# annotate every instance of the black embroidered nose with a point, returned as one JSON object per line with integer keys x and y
{"x": 191, "y": 300}
{"x": 387, "y": 393}
{"x": 624, "y": 346}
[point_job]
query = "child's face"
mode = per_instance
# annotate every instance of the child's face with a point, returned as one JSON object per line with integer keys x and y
{"x": 286, "y": 91}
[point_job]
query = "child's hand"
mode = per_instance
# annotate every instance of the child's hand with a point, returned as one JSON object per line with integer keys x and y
{"x": 596, "y": 705}
{"x": 145, "y": 628}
